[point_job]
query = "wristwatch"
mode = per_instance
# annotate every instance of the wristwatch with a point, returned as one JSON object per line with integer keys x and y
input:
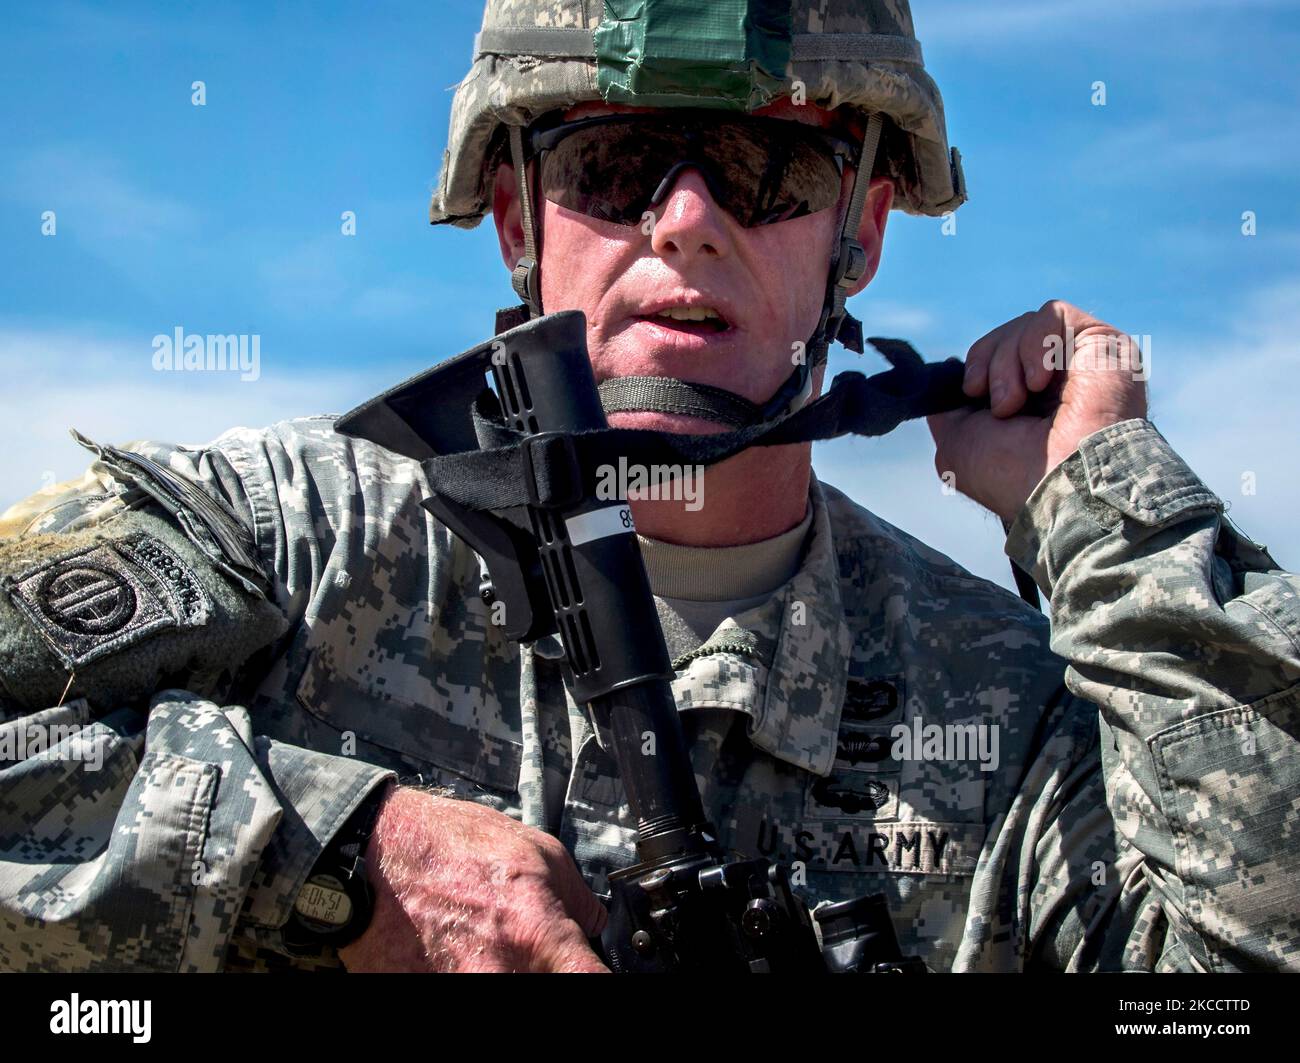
{"x": 335, "y": 904}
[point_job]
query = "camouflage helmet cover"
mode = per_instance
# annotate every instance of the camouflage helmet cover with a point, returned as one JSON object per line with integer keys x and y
{"x": 537, "y": 56}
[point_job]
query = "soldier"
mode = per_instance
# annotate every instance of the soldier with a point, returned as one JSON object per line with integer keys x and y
{"x": 286, "y": 670}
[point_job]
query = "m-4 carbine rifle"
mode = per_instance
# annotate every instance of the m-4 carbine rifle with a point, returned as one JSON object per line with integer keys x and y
{"x": 565, "y": 562}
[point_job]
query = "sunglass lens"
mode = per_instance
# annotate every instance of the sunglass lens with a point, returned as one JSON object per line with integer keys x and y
{"x": 758, "y": 173}
{"x": 769, "y": 174}
{"x": 605, "y": 171}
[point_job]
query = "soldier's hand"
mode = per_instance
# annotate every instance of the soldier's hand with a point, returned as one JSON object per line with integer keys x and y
{"x": 1082, "y": 375}
{"x": 460, "y": 887}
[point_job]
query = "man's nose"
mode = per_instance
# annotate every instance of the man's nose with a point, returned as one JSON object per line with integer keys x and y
{"x": 690, "y": 222}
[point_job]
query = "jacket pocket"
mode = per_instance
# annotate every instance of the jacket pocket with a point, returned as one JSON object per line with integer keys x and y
{"x": 129, "y": 907}
{"x": 1228, "y": 783}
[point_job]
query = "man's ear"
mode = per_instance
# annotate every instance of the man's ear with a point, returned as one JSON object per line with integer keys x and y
{"x": 507, "y": 215}
{"x": 871, "y": 232}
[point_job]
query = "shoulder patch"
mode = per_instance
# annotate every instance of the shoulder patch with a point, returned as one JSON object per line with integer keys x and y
{"x": 208, "y": 523}
{"x": 98, "y": 600}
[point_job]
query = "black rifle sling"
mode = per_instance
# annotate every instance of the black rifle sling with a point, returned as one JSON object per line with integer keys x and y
{"x": 516, "y": 471}
{"x": 513, "y": 469}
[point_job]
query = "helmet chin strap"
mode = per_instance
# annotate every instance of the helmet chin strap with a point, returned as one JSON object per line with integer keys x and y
{"x": 669, "y": 395}
{"x": 525, "y": 278}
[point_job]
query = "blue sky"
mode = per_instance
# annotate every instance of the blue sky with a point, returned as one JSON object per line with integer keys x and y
{"x": 226, "y": 219}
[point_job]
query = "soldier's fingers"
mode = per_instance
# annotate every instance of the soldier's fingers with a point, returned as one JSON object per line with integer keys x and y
{"x": 1045, "y": 346}
{"x": 587, "y": 911}
{"x": 1036, "y": 350}
{"x": 1049, "y": 341}
{"x": 566, "y": 952}
{"x": 583, "y": 906}
{"x": 976, "y": 380}
{"x": 1007, "y": 391}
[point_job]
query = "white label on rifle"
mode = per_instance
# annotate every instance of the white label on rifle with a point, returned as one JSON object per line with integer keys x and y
{"x": 612, "y": 520}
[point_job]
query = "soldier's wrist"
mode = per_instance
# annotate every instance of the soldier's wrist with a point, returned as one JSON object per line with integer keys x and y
{"x": 336, "y": 903}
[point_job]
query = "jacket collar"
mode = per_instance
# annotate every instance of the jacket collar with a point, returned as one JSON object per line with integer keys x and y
{"x": 784, "y": 664}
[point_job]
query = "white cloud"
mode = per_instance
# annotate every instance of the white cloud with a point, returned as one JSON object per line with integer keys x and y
{"x": 390, "y": 301}
{"x": 1205, "y": 240}
{"x": 1230, "y": 405}
{"x": 312, "y": 275}
{"x": 896, "y": 481}
{"x": 884, "y": 318}
{"x": 1243, "y": 142}
{"x": 107, "y": 390}
{"x": 92, "y": 198}
{"x": 332, "y": 272}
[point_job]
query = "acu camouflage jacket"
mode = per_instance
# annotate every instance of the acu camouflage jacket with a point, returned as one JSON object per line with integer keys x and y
{"x": 250, "y": 636}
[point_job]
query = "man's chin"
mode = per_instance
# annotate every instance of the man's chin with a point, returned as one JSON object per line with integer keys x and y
{"x": 677, "y": 423}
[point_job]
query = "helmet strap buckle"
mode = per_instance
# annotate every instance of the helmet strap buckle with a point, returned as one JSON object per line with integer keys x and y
{"x": 523, "y": 278}
{"x": 851, "y": 263}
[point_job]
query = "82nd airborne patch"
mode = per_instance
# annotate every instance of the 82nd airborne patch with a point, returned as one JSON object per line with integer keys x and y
{"x": 95, "y": 601}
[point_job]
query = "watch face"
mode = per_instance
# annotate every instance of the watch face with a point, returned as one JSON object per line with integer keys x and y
{"x": 323, "y": 901}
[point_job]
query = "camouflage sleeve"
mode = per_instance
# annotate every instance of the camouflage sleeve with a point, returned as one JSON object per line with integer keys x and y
{"x": 144, "y": 822}
{"x": 1186, "y": 635}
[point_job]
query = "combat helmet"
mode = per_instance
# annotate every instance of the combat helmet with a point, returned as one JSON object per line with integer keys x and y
{"x": 534, "y": 57}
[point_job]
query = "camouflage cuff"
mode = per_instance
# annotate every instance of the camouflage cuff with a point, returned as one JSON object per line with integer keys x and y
{"x": 1124, "y": 473}
{"x": 318, "y": 793}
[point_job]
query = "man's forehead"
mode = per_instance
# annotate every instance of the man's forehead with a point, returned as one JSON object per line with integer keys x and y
{"x": 809, "y": 113}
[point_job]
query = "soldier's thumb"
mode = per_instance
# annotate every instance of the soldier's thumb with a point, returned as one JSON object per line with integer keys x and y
{"x": 583, "y": 906}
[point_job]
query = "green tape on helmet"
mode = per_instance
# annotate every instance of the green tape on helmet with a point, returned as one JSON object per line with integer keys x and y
{"x": 729, "y": 54}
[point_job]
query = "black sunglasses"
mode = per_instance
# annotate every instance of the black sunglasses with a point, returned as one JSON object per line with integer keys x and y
{"x": 619, "y": 167}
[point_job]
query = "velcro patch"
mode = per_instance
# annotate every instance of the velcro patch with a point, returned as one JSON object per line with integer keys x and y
{"x": 853, "y": 793}
{"x": 98, "y": 600}
{"x": 873, "y": 700}
{"x": 916, "y": 847}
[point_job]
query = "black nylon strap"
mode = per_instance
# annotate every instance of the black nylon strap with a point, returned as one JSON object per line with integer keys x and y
{"x": 517, "y": 472}
{"x": 667, "y": 395}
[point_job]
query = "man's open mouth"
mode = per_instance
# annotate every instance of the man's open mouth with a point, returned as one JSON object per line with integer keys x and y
{"x": 696, "y": 320}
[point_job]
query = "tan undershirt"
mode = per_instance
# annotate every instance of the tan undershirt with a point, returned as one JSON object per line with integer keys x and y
{"x": 698, "y": 587}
